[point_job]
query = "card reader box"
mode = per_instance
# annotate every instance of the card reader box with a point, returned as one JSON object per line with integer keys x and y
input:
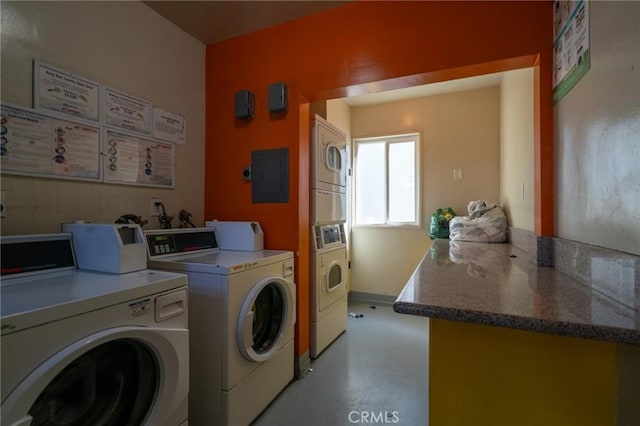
{"x": 241, "y": 236}
{"x": 115, "y": 248}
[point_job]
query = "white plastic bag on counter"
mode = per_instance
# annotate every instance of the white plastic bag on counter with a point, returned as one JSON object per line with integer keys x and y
{"x": 477, "y": 256}
{"x": 486, "y": 223}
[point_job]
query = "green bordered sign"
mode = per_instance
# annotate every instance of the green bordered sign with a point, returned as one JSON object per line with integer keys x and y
{"x": 571, "y": 56}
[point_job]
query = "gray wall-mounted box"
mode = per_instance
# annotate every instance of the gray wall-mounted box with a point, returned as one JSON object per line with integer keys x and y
{"x": 278, "y": 97}
{"x": 244, "y": 105}
{"x": 270, "y": 176}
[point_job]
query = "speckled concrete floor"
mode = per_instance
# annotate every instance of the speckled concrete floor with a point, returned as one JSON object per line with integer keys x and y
{"x": 374, "y": 373}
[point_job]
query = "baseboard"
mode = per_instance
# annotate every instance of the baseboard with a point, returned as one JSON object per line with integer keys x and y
{"x": 610, "y": 272}
{"x": 540, "y": 249}
{"x": 301, "y": 365}
{"x": 521, "y": 238}
{"x": 372, "y": 298}
{"x": 613, "y": 273}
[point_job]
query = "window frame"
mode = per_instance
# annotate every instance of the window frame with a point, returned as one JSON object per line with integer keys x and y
{"x": 414, "y": 137}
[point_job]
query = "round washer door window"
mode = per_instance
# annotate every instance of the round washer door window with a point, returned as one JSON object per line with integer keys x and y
{"x": 265, "y": 315}
{"x": 113, "y": 384}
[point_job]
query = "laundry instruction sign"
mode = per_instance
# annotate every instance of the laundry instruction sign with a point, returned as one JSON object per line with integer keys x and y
{"x": 126, "y": 111}
{"x": 37, "y": 144}
{"x": 571, "y": 55}
{"x": 169, "y": 127}
{"x": 60, "y": 91}
{"x": 130, "y": 159}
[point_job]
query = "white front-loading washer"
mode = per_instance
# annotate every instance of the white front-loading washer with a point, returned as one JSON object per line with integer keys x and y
{"x": 241, "y": 322}
{"x": 329, "y": 272}
{"x": 89, "y": 347}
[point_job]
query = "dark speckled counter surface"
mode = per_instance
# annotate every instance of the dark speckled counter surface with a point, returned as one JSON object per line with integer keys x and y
{"x": 495, "y": 284}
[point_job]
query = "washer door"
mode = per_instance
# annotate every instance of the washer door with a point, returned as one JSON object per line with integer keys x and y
{"x": 114, "y": 383}
{"x": 266, "y": 319}
{"x": 127, "y": 375}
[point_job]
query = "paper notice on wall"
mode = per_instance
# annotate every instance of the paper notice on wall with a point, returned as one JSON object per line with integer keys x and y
{"x": 571, "y": 57}
{"x": 126, "y": 111}
{"x": 35, "y": 144}
{"x": 138, "y": 161}
{"x": 63, "y": 92}
{"x": 169, "y": 127}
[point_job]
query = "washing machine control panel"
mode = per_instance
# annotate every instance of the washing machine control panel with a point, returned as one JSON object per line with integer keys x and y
{"x": 33, "y": 254}
{"x": 161, "y": 244}
{"x": 168, "y": 242}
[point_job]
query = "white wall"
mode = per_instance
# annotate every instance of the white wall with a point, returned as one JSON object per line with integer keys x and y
{"x": 124, "y": 45}
{"x": 597, "y": 136}
{"x": 516, "y": 148}
{"x": 339, "y": 114}
{"x": 458, "y": 130}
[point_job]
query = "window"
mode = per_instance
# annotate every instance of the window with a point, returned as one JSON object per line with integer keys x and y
{"x": 387, "y": 180}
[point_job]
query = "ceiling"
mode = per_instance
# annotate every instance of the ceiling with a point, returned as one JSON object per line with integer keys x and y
{"x": 215, "y": 21}
{"x": 459, "y": 85}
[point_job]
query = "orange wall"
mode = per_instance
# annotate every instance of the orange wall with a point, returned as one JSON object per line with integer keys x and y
{"x": 358, "y": 48}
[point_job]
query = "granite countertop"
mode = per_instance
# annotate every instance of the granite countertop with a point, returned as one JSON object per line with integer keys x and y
{"x": 495, "y": 284}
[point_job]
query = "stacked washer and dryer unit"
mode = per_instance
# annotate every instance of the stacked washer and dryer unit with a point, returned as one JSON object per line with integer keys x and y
{"x": 241, "y": 317}
{"x": 89, "y": 336}
{"x": 329, "y": 264}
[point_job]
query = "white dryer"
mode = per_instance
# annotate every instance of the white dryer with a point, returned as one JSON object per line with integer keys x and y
{"x": 329, "y": 172}
{"x": 89, "y": 347}
{"x": 329, "y": 269}
{"x": 241, "y": 322}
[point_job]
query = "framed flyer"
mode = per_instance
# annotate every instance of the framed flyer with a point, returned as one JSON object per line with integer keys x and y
{"x": 134, "y": 160}
{"x": 126, "y": 111}
{"x": 169, "y": 127}
{"x": 35, "y": 144}
{"x": 62, "y": 92}
{"x": 571, "y": 53}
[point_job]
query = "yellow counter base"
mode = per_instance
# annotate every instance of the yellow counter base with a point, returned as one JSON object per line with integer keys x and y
{"x": 482, "y": 375}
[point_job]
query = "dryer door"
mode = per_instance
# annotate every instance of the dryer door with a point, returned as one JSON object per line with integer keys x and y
{"x": 331, "y": 284}
{"x": 126, "y": 375}
{"x": 266, "y": 319}
{"x": 330, "y": 159}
